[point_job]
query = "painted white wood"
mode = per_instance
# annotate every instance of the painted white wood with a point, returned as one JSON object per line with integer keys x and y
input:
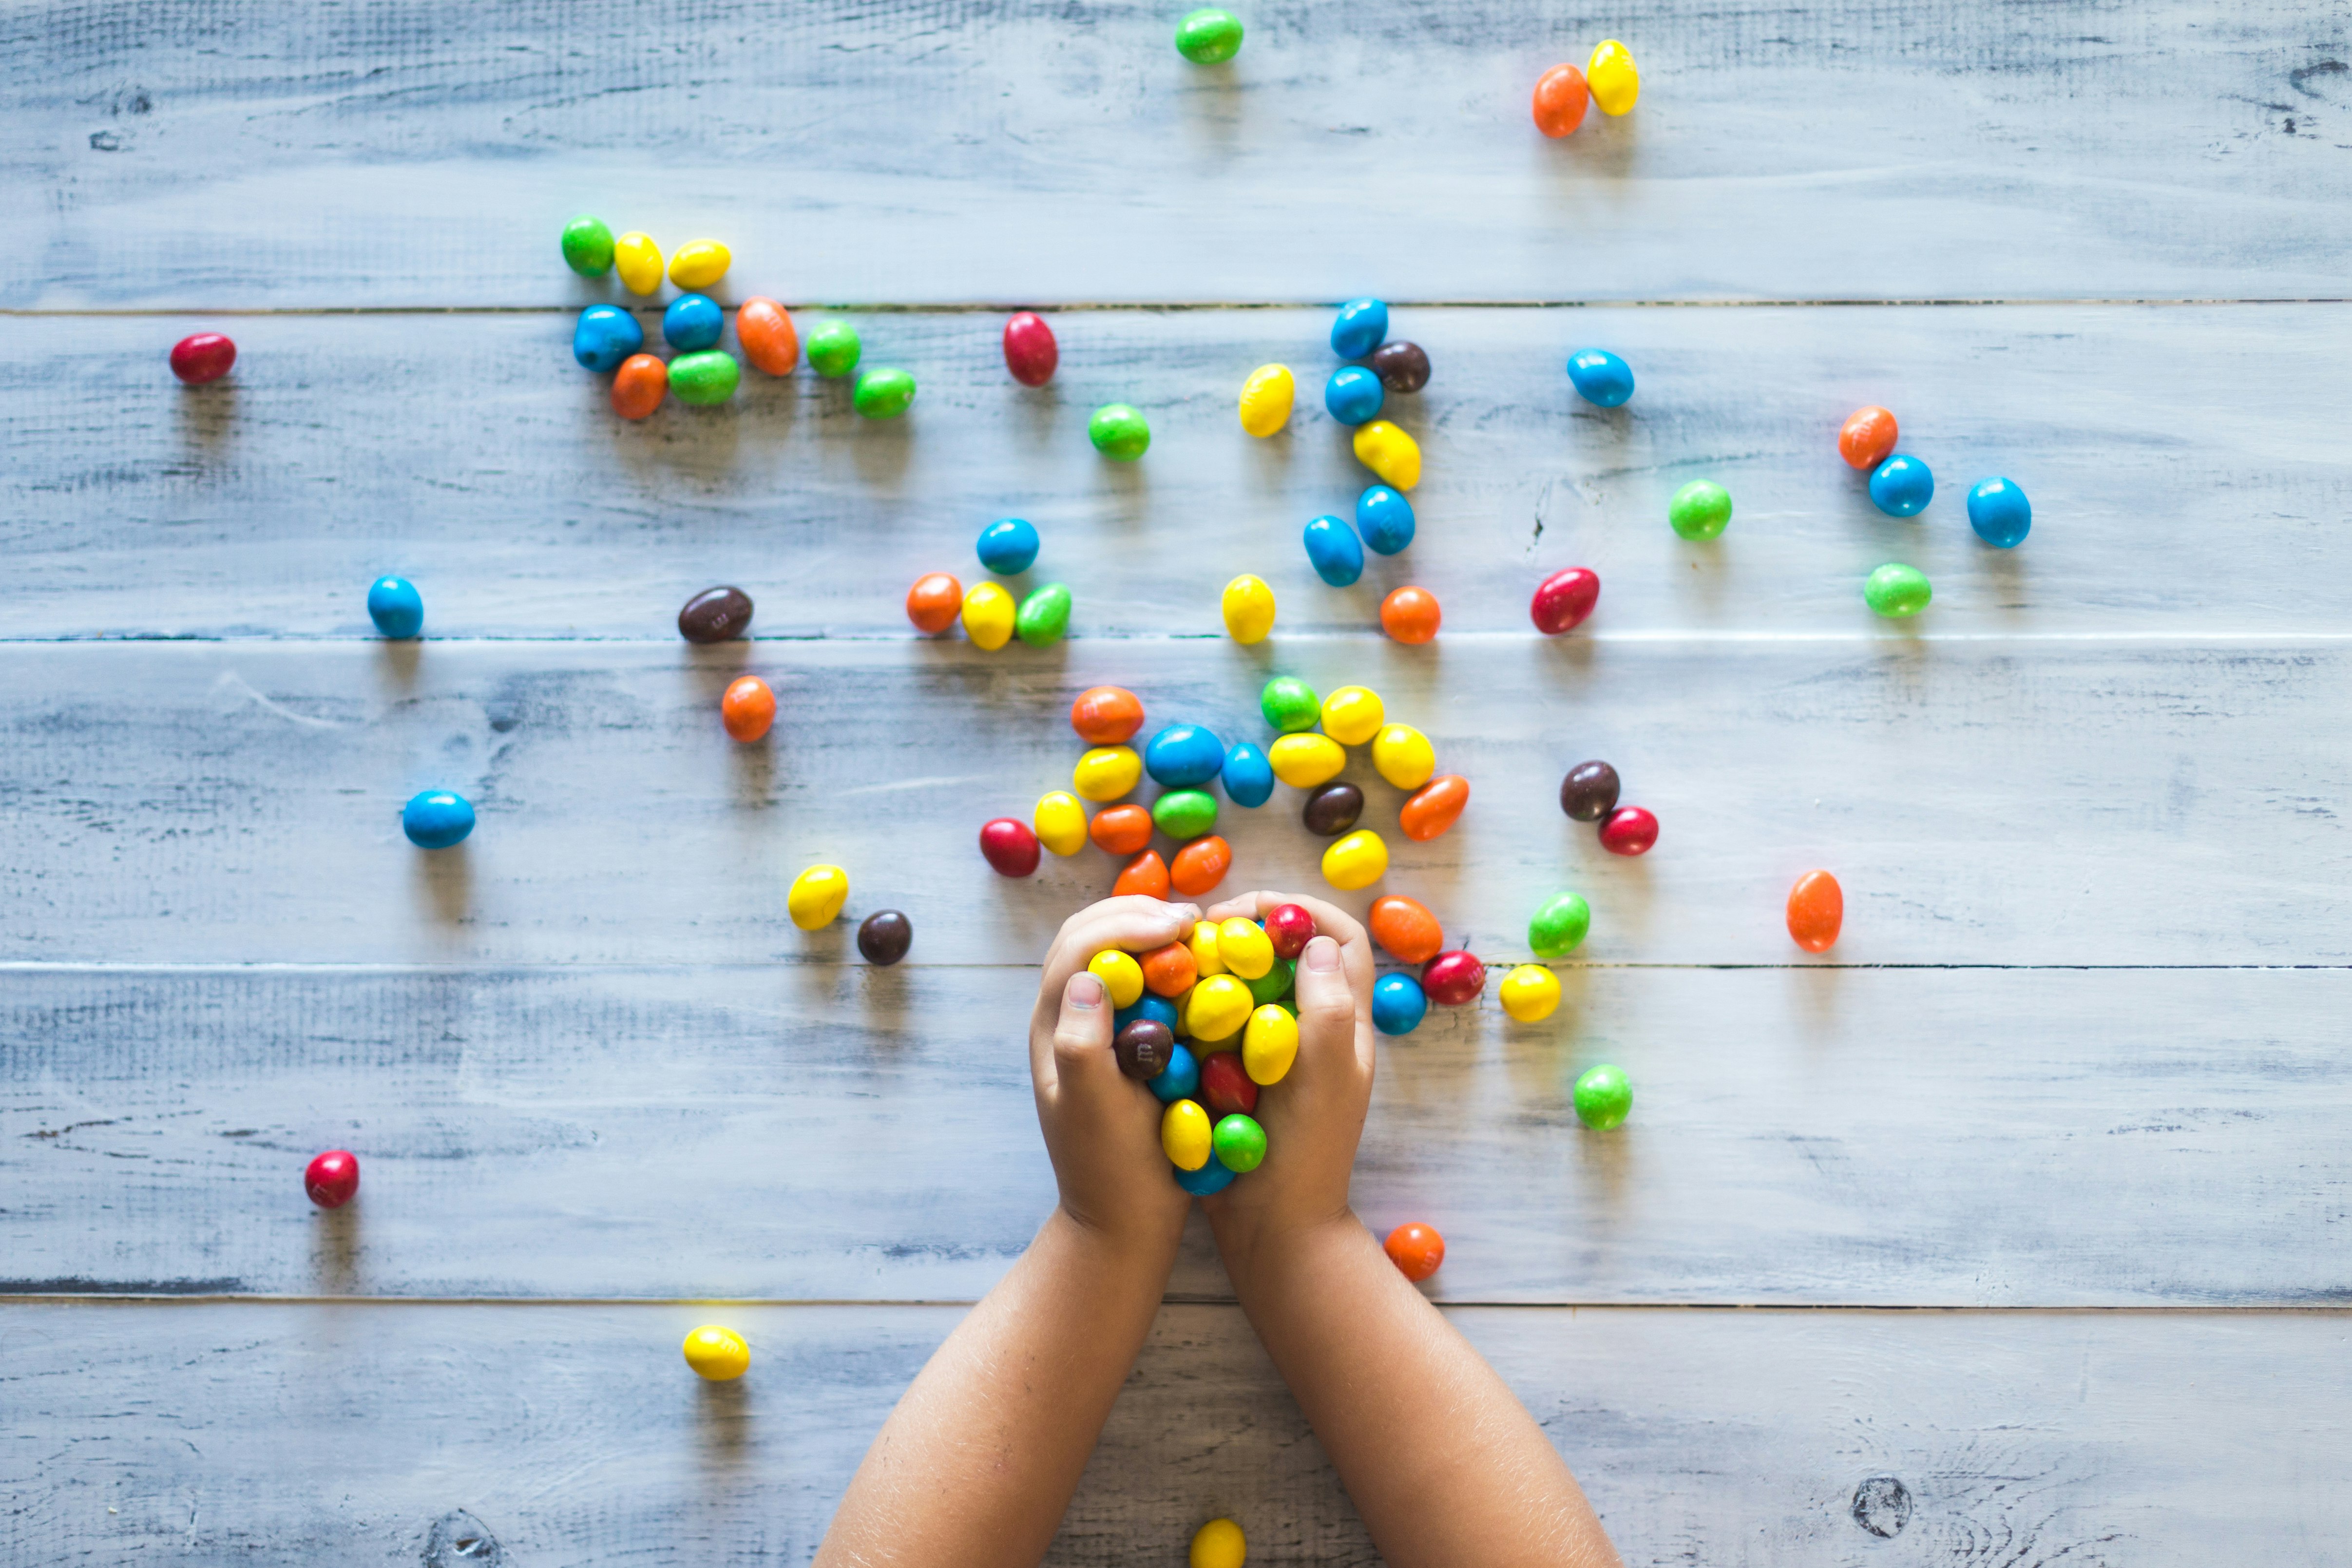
{"x": 2182, "y": 463}
{"x": 428, "y": 154}
{"x": 1892, "y": 1137}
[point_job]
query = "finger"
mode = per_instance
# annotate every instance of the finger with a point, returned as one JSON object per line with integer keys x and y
{"x": 1246, "y": 906}
{"x": 1326, "y": 1004}
{"x": 1135, "y": 923}
{"x": 1081, "y": 1041}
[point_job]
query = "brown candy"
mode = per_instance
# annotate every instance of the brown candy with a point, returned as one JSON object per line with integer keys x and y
{"x": 715, "y": 614}
{"x": 1401, "y": 366}
{"x": 1589, "y": 793}
{"x": 1333, "y": 809}
{"x": 885, "y": 936}
{"x": 1145, "y": 1047}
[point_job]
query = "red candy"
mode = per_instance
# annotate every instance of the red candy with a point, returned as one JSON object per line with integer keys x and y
{"x": 1416, "y": 1248}
{"x": 1563, "y": 599}
{"x": 1030, "y": 352}
{"x": 203, "y": 357}
{"x": 1225, "y": 1086}
{"x": 1146, "y": 874}
{"x": 1010, "y": 847}
{"x": 1289, "y": 927}
{"x": 1630, "y": 830}
{"x": 1453, "y": 979}
{"x": 333, "y": 1178}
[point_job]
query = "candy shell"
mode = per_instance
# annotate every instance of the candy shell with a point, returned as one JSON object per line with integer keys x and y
{"x": 588, "y": 246}
{"x": 816, "y": 895}
{"x": 1356, "y": 861}
{"x": 1563, "y": 600}
{"x": 1218, "y": 1544}
{"x": 1266, "y": 397}
{"x": 1867, "y": 436}
{"x": 1226, "y": 1086}
{"x": 716, "y": 1354}
{"x": 1406, "y": 929}
{"x": 1304, "y": 760}
{"x": 1353, "y": 395}
{"x": 639, "y": 261}
{"x": 2000, "y": 513}
{"x": 1269, "y": 1044}
{"x": 1453, "y": 979}
{"x": 693, "y": 322}
{"x": 1169, "y": 970}
{"x": 715, "y": 615}
{"x": 1401, "y": 366}
{"x": 1030, "y": 352}
{"x": 1219, "y": 1007}
{"x": 1896, "y": 590}
{"x": 704, "y": 379}
{"x": 1182, "y": 1078}
{"x": 1107, "y": 773}
{"x": 1629, "y": 830}
{"x": 1209, "y": 36}
{"x": 834, "y": 350}
{"x": 1007, "y": 845}
{"x": 1148, "y": 1006}
{"x": 1119, "y": 432}
{"x": 1410, "y": 616}
{"x": 1359, "y": 328}
{"x": 1557, "y": 928}
{"x": 764, "y": 332}
{"x": 1353, "y": 715}
{"x": 1432, "y": 808}
{"x": 1044, "y": 615}
{"x": 1601, "y": 378}
{"x": 1289, "y": 705}
{"x": 1060, "y": 822}
{"x": 989, "y": 614}
{"x": 1143, "y": 1047}
{"x": 332, "y": 1179}
{"x": 1603, "y": 1098}
{"x": 1248, "y": 607}
{"x": 1700, "y": 509}
{"x": 747, "y": 709}
{"x": 1559, "y": 99}
{"x": 1240, "y": 1143}
{"x": 1389, "y": 452}
{"x": 1398, "y": 1004}
{"x": 882, "y": 393}
{"x": 1245, "y": 947}
{"x": 1202, "y": 939}
{"x": 1332, "y": 809}
{"x": 1247, "y": 775}
{"x": 1334, "y": 551}
{"x": 884, "y": 937}
{"x": 1121, "y": 976}
{"x": 1184, "y": 1135}
{"x": 1182, "y": 755}
{"x": 1290, "y": 928}
{"x": 700, "y": 263}
{"x": 1385, "y": 519}
{"x": 639, "y": 386}
{"x": 1008, "y": 546}
{"x": 396, "y": 607}
{"x": 1105, "y": 715}
{"x": 934, "y": 602}
{"x": 1609, "y": 73}
{"x": 1404, "y": 756}
{"x": 1529, "y": 992}
{"x": 1589, "y": 793}
{"x": 1120, "y": 829}
{"x": 1902, "y": 485}
{"x": 1184, "y": 814}
{"x": 202, "y": 357}
{"x": 436, "y": 819}
{"x": 1207, "y": 1182}
{"x": 1816, "y": 912}
{"x": 603, "y": 336}
{"x": 1415, "y": 1248}
{"x": 1145, "y": 875}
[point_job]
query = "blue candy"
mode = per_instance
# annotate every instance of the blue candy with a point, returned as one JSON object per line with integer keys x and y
{"x": 1601, "y": 377}
{"x": 396, "y": 607}
{"x": 1353, "y": 395}
{"x": 1248, "y": 776}
{"x": 1902, "y": 487}
{"x": 2000, "y": 512}
{"x": 1008, "y": 546}
{"x": 436, "y": 819}
{"x": 1385, "y": 519}
{"x": 1362, "y": 326}
{"x": 1179, "y": 1078}
{"x": 693, "y": 324}
{"x": 605, "y": 336}
{"x": 1158, "y": 1008}
{"x": 1335, "y": 552}
{"x": 1183, "y": 755}
{"x": 1207, "y": 1182}
{"x": 1398, "y": 1004}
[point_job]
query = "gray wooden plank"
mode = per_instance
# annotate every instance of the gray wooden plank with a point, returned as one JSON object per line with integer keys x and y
{"x": 301, "y": 1434}
{"x": 469, "y": 454}
{"x": 429, "y": 153}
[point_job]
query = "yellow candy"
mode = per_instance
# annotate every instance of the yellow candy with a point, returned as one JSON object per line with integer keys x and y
{"x": 1265, "y": 399}
{"x": 1353, "y": 714}
{"x": 1304, "y": 760}
{"x": 1356, "y": 861}
{"x": 1107, "y": 773}
{"x": 1219, "y": 1544}
{"x": 698, "y": 263}
{"x": 1249, "y": 609}
{"x": 1404, "y": 756}
{"x": 1615, "y": 84}
{"x": 717, "y": 1353}
{"x": 1390, "y": 453}
{"x": 1203, "y": 944}
{"x": 1531, "y": 992}
{"x": 1060, "y": 822}
{"x": 988, "y": 612}
{"x": 1184, "y": 1011}
{"x": 1270, "y": 1045}
{"x": 1120, "y": 976}
{"x": 817, "y": 897}
{"x": 1219, "y": 1006}
{"x": 1184, "y": 1134}
{"x": 1247, "y": 951}
{"x": 637, "y": 259}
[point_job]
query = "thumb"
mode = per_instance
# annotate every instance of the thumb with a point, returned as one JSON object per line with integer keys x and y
{"x": 1326, "y": 1009}
{"x": 1082, "y": 1053}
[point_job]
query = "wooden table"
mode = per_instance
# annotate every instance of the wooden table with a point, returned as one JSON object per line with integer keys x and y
{"x": 2016, "y": 1230}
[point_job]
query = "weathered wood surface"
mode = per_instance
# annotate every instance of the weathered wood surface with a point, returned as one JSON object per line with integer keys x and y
{"x": 2182, "y": 462}
{"x": 427, "y": 154}
{"x": 296, "y": 1435}
{"x": 1893, "y": 1137}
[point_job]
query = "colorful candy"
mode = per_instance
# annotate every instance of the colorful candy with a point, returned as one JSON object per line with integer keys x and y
{"x": 588, "y": 246}
{"x": 1332, "y": 809}
{"x": 1182, "y": 755}
{"x": 1245, "y": 948}
{"x": 1059, "y": 822}
{"x": 1603, "y": 1096}
{"x": 1700, "y": 509}
{"x": 1410, "y": 616}
{"x": 1202, "y": 941}
{"x": 715, "y": 614}
{"x": 1432, "y": 808}
{"x": 1559, "y": 99}
{"x": 1404, "y": 756}
{"x": 1609, "y": 73}
{"x": 700, "y": 263}
{"x": 1008, "y": 546}
{"x": 1248, "y": 607}
{"x": 201, "y": 357}
{"x": 1207, "y": 1182}
{"x": 746, "y": 708}
{"x": 605, "y": 336}
{"x": 1226, "y": 1088}
{"x": 1353, "y": 395}
{"x": 1200, "y": 865}
{"x": 882, "y": 393}
{"x": 1353, "y": 715}
{"x": 1247, "y": 775}
{"x": 1121, "y": 976}
{"x": 764, "y": 331}
{"x": 1107, "y": 715}
{"x": 1405, "y": 929}
{"x": 934, "y": 602}
{"x": 436, "y": 819}
{"x": 639, "y": 386}
{"x": 1146, "y": 875}
{"x": 706, "y": 378}
{"x": 692, "y": 322}
{"x": 1144, "y": 1048}
{"x": 1106, "y": 772}
{"x": 639, "y": 261}
{"x": 1453, "y": 979}
{"x": 1120, "y": 829}
{"x": 1030, "y": 352}
{"x": 1266, "y": 397}
{"x": 1816, "y": 912}
{"x": 1169, "y": 970}
{"x": 816, "y": 895}
{"x": 1290, "y": 928}
{"x": 1218, "y": 1544}
{"x": 1044, "y": 615}
{"x": 1385, "y": 519}
{"x": 1184, "y": 814}
{"x": 1560, "y": 926}
{"x": 1289, "y": 705}
{"x": 1902, "y": 485}
{"x": 1182, "y": 1078}
{"x": 2000, "y": 513}
{"x": 396, "y": 607}
{"x": 1359, "y": 328}
{"x": 1356, "y": 861}
{"x": 884, "y": 937}
{"x": 716, "y": 1354}
{"x": 989, "y": 615}
{"x": 1401, "y": 366}
{"x": 1398, "y": 1004}
{"x": 1119, "y": 432}
{"x": 1209, "y": 36}
{"x": 332, "y": 1179}
{"x": 1269, "y": 1044}
{"x": 1390, "y": 453}
{"x": 1563, "y": 600}
{"x": 1866, "y": 438}
{"x": 1303, "y": 761}
{"x": 1529, "y": 992}
{"x": 1334, "y": 551}
{"x": 1629, "y": 830}
{"x": 1601, "y": 378}
{"x": 1896, "y": 590}
{"x": 1007, "y": 845}
{"x": 834, "y": 350}
{"x": 1184, "y": 1135}
{"x": 1589, "y": 793}
{"x": 1416, "y": 1248}
{"x": 1240, "y": 1143}
{"x": 1220, "y": 1006}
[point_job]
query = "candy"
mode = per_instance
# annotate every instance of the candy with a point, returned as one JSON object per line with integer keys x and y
{"x": 1009, "y": 847}
{"x": 1353, "y": 715}
{"x": 1290, "y": 928}
{"x": 639, "y": 386}
{"x": 1390, "y": 453}
{"x": 605, "y": 336}
{"x": 1245, "y": 947}
{"x": 1902, "y": 485}
{"x": 1289, "y": 704}
{"x": 1700, "y": 509}
{"x": 1119, "y": 432}
{"x": 1603, "y": 1096}
{"x": 816, "y": 895}
{"x": 1107, "y": 773}
{"x": 1122, "y": 977}
{"x": 1404, "y": 756}
{"x": 1356, "y": 861}
{"x": 882, "y": 393}
{"x": 1059, "y": 822}
{"x": 703, "y": 379}
{"x": 1183, "y": 754}
{"x": 1563, "y": 600}
{"x": 1453, "y": 979}
{"x": 1816, "y": 912}
{"x": 436, "y": 819}
{"x": 1207, "y": 1182}
{"x": 1589, "y": 793}
{"x": 1529, "y": 992}
{"x": 1105, "y": 715}
{"x": 884, "y": 937}
{"x": 1146, "y": 875}
{"x": 1558, "y": 928}
{"x": 1401, "y": 366}
{"x": 1359, "y": 328}
{"x": 1247, "y": 775}
{"x": 1611, "y": 75}
{"x": 1432, "y": 808}
{"x": 1030, "y": 352}
{"x": 588, "y": 246}
{"x": 692, "y": 322}
{"x": 1144, "y": 1048}
{"x": 1866, "y": 438}
{"x": 1896, "y": 590}
{"x": 1266, "y": 397}
{"x": 764, "y": 332}
{"x": 1275, "y": 983}
{"x": 1559, "y": 99}
{"x": 1269, "y": 1045}
{"x": 1240, "y": 1143}
{"x": 332, "y": 1179}
{"x": 1226, "y": 1088}
{"x": 1169, "y": 970}
{"x": 1248, "y": 607}
{"x": 1410, "y": 615}
{"x": 1120, "y": 829}
{"x": 1209, "y": 36}
{"x": 1219, "y": 1544}
{"x": 1304, "y": 760}
{"x": 700, "y": 263}
{"x": 1353, "y": 395}
{"x": 834, "y": 348}
{"x": 1008, "y": 547}
{"x": 1148, "y": 1005}
{"x": 1406, "y": 929}
{"x": 989, "y": 615}
{"x": 201, "y": 357}
{"x": 715, "y": 614}
{"x": 1184, "y": 814}
{"x": 396, "y": 607}
{"x": 746, "y": 708}
{"x": 1599, "y": 378}
{"x": 716, "y": 1354}
{"x": 1182, "y": 1078}
{"x": 1398, "y": 1004}
{"x": 1385, "y": 519}
{"x": 1629, "y": 830}
{"x": 2000, "y": 513}
{"x": 1044, "y": 615}
{"x": 1202, "y": 939}
{"x": 934, "y": 602}
{"x": 1220, "y": 1006}
{"x": 639, "y": 261}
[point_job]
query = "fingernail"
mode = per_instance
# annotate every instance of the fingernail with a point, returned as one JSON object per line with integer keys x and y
{"x": 1322, "y": 955}
{"x": 1085, "y": 992}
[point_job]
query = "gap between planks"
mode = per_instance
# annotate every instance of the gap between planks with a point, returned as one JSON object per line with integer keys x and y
{"x": 1167, "y": 307}
{"x": 1867, "y": 637}
{"x": 273, "y": 966}
{"x": 150, "y": 1299}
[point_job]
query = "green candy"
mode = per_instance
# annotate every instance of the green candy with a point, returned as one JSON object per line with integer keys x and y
{"x": 884, "y": 394}
{"x": 1275, "y": 984}
{"x": 1044, "y": 616}
{"x": 1603, "y": 1096}
{"x": 1184, "y": 814}
{"x": 1897, "y": 590}
{"x": 1700, "y": 509}
{"x": 1240, "y": 1143}
{"x": 1290, "y": 705}
{"x": 705, "y": 378}
{"x": 1119, "y": 431}
{"x": 1560, "y": 926}
{"x": 1209, "y": 36}
{"x": 588, "y": 246}
{"x": 834, "y": 348}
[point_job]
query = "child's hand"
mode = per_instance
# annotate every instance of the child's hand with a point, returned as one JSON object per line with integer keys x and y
{"x": 1101, "y": 1127}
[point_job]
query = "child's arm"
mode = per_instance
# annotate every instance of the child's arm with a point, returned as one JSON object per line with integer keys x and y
{"x": 1445, "y": 1466}
{"x": 977, "y": 1462}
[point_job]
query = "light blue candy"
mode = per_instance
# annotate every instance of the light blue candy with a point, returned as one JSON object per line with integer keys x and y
{"x": 396, "y": 607}
{"x": 1008, "y": 546}
{"x": 436, "y": 819}
{"x": 1248, "y": 777}
{"x": 605, "y": 336}
{"x": 1183, "y": 755}
{"x": 1902, "y": 487}
{"x": 1601, "y": 377}
{"x": 2000, "y": 512}
{"x": 1334, "y": 551}
{"x": 1152, "y": 1006}
{"x": 1180, "y": 1077}
{"x": 693, "y": 324}
{"x": 1353, "y": 395}
{"x": 1362, "y": 326}
{"x": 1208, "y": 1180}
{"x": 1398, "y": 1004}
{"x": 1385, "y": 519}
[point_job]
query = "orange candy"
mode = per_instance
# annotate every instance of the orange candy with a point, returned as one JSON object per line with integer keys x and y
{"x": 1410, "y": 615}
{"x": 765, "y": 330}
{"x": 1434, "y": 808}
{"x": 1560, "y": 98}
{"x": 1416, "y": 1249}
{"x": 1120, "y": 829}
{"x": 638, "y": 386}
{"x": 1169, "y": 970}
{"x": 1867, "y": 437}
{"x": 1816, "y": 911}
{"x": 1201, "y": 866}
{"x": 1406, "y": 927}
{"x": 1146, "y": 874}
{"x": 747, "y": 709}
{"x": 1107, "y": 715}
{"x": 934, "y": 603}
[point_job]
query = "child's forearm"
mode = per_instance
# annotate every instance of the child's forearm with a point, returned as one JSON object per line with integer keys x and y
{"x": 978, "y": 1460}
{"x": 1443, "y": 1463}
